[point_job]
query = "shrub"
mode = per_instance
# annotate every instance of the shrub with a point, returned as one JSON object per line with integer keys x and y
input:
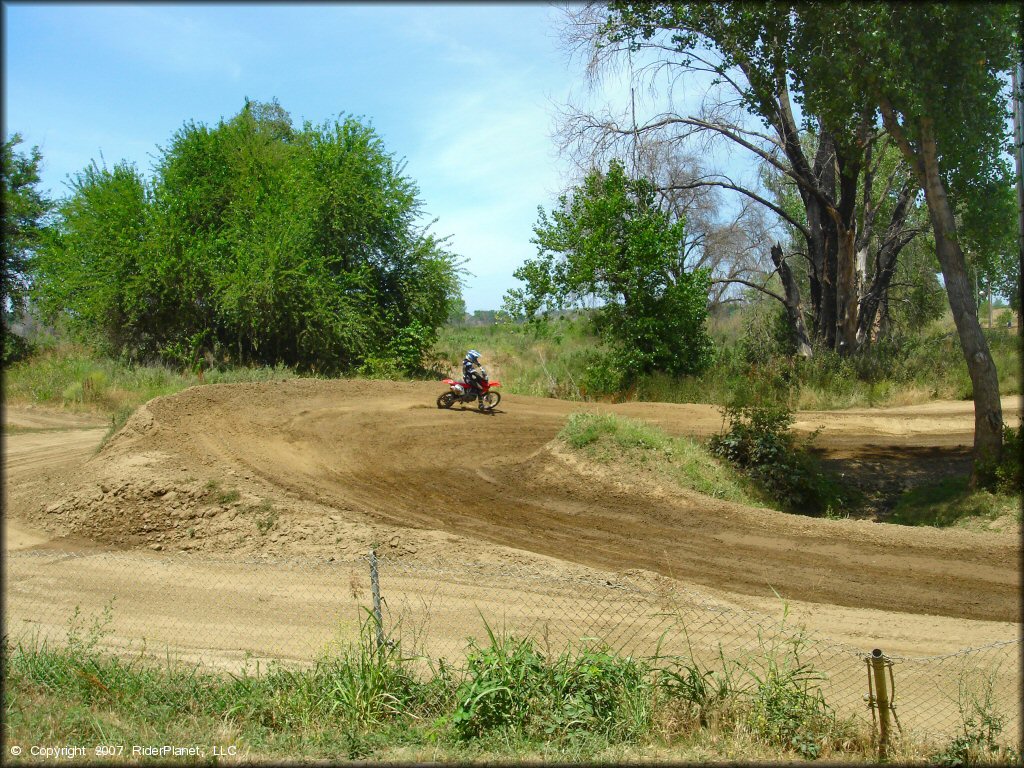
{"x": 602, "y": 376}
{"x": 759, "y": 442}
{"x": 15, "y": 347}
{"x": 757, "y": 435}
{"x": 1004, "y": 475}
{"x": 73, "y": 393}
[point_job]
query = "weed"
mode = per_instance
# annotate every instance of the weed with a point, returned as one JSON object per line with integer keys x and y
{"x": 226, "y": 497}
{"x": 266, "y": 516}
{"x": 369, "y": 684}
{"x": 512, "y": 689}
{"x": 85, "y": 641}
{"x": 502, "y": 679}
{"x": 788, "y": 710}
{"x": 785, "y": 704}
{"x": 73, "y": 393}
{"x": 118, "y": 419}
{"x": 706, "y": 691}
{"x": 981, "y": 725}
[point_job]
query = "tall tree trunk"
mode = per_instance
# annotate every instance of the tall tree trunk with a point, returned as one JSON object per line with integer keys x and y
{"x": 829, "y": 301}
{"x": 846, "y": 294}
{"x": 876, "y": 297}
{"x": 820, "y": 220}
{"x": 988, "y": 412}
{"x": 794, "y": 310}
{"x": 884, "y": 320}
{"x": 846, "y": 257}
{"x": 1017, "y": 82}
{"x": 816, "y": 262}
{"x": 874, "y": 303}
{"x": 816, "y": 185}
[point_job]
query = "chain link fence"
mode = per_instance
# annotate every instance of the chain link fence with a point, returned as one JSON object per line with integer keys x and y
{"x": 229, "y": 614}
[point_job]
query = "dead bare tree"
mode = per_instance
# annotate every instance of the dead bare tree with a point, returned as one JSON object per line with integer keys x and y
{"x": 852, "y": 209}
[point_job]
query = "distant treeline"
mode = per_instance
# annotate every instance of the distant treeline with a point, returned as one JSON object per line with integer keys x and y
{"x": 482, "y": 317}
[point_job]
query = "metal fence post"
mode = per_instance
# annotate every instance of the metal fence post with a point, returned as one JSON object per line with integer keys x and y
{"x": 881, "y": 700}
{"x": 375, "y": 589}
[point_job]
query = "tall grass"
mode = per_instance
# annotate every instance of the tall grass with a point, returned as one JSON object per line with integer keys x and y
{"x": 506, "y": 700}
{"x": 75, "y": 377}
{"x": 566, "y": 361}
{"x": 549, "y": 362}
{"x": 683, "y": 461}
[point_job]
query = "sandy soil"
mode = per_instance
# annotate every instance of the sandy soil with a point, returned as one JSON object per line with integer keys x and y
{"x": 320, "y": 471}
{"x": 226, "y": 525}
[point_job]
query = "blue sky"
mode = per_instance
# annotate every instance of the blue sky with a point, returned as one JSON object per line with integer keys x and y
{"x": 465, "y": 93}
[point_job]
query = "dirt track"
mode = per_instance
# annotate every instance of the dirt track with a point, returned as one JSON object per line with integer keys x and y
{"x": 335, "y": 466}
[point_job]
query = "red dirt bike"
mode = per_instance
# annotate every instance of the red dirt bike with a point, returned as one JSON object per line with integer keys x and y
{"x": 460, "y": 392}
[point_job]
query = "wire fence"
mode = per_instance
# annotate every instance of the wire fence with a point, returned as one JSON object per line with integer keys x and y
{"x": 230, "y": 614}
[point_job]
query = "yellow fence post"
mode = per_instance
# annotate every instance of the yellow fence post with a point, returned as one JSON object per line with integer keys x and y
{"x": 878, "y": 662}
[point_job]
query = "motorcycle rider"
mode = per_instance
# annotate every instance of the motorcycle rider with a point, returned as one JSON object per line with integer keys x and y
{"x": 473, "y": 374}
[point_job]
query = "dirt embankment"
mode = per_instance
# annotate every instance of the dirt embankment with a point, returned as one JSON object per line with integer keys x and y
{"x": 321, "y": 469}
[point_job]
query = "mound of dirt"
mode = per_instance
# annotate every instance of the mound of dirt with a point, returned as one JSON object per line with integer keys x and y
{"x": 323, "y": 469}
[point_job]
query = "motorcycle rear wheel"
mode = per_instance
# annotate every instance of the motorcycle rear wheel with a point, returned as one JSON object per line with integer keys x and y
{"x": 446, "y": 400}
{"x": 490, "y": 401}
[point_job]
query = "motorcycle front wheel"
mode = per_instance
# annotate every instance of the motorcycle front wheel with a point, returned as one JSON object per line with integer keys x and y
{"x": 490, "y": 401}
{"x": 446, "y": 400}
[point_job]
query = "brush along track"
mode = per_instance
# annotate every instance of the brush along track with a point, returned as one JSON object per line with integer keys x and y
{"x": 320, "y": 467}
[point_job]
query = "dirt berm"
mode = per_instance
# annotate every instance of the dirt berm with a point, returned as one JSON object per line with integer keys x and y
{"x": 319, "y": 468}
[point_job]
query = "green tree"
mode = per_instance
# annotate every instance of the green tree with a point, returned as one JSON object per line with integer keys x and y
{"x": 25, "y": 210}
{"x": 934, "y": 71}
{"x": 95, "y": 262}
{"x": 986, "y": 216}
{"x": 749, "y": 50}
{"x": 608, "y": 243}
{"x": 255, "y": 243}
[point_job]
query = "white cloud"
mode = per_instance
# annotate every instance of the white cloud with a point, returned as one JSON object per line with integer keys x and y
{"x": 168, "y": 40}
{"x": 484, "y": 166}
{"x": 432, "y": 28}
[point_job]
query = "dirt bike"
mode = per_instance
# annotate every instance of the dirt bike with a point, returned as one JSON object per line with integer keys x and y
{"x": 460, "y": 392}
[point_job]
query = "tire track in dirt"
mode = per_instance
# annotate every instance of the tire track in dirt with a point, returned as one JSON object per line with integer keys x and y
{"x": 28, "y": 453}
{"x": 380, "y": 452}
{"x": 381, "y": 458}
